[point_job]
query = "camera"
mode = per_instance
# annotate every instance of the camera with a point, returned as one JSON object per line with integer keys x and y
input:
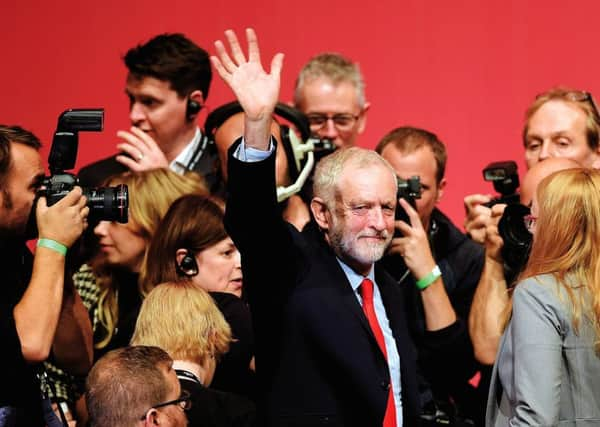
{"x": 105, "y": 203}
{"x": 505, "y": 179}
{"x": 409, "y": 190}
{"x": 517, "y": 239}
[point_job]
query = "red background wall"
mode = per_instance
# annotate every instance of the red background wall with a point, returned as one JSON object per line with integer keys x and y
{"x": 465, "y": 70}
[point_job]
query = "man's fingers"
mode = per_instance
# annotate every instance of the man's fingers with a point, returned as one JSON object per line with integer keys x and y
{"x": 82, "y": 203}
{"x": 498, "y": 210}
{"x": 253, "y": 51}
{"x": 474, "y": 200}
{"x": 234, "y": 45}
{"x": 220, "y": 69}
{"x": 224, "y": 58}
{"x": 404, "y": 228}
{"x": 131, "y": 139}
{"x": 144, "y": 138}
{"x": 72, "y": 197}
{"x": 128, "y": 162}
{"x": 413, "y": 215}
{"x": 277, "y": 65}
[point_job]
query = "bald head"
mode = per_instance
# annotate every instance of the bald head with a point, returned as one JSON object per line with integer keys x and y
{"x": 541, "y": 170}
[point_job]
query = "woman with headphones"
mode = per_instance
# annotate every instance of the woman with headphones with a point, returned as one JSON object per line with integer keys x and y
{"x": 191, "y": 244}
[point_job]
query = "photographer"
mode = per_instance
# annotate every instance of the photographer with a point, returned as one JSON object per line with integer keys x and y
{"x": 491, "y": 296}
{"x": 560, "y": 122}
{"x": 41, "y": 313}
{"x": 438, "y": 268}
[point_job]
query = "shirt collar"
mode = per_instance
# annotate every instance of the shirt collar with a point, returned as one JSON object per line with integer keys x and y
{"x": 353, "y": 277}
{"x": 183, "y": 161}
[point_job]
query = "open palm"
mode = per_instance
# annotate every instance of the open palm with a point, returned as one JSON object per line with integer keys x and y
{"x": 256, "y": 90}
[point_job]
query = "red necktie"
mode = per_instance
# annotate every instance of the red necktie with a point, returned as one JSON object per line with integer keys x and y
{"x": 366, "y": 292}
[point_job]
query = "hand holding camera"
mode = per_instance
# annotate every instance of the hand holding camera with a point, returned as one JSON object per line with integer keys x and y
{"x": 413, "y": 243}
{"x": 478, "y": 216}
{"x": 492, "y": 239}
{"x": 66, "y": 220}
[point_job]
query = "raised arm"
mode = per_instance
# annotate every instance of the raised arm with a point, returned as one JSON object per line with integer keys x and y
{"x": 491, "y": 296}
{"x": 255, "y": 89}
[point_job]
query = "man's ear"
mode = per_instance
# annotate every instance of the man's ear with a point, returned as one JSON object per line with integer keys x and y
{"x": 197, "y": 96}
{"x": 320, "y": 212}
{"x": 440, "y": 189}
{"x": 151, "y": 418}
{"x": 362, "y": 120}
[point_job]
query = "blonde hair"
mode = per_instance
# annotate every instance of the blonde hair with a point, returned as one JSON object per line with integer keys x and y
{"x": 151, "y": 193}
{"x": 578, "y": 98}
{"x": 567, "y": 240}
{"x": 183, "y": 320}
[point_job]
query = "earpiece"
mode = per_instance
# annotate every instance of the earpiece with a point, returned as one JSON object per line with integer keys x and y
{"x": 188, "y": 265}
{"x": 192, "y": 108}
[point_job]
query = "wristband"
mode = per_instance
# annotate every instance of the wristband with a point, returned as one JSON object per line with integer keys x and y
{"x": 52, "y": 244}
{"x": 430, "y": 278}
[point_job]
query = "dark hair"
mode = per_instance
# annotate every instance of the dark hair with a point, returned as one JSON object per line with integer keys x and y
{"x": 409, "y": 139}
{"x": 125, "y": 383}
{"x": 173, "y": 58}
{"x": 192, "y": 222}
{"x": 14, "y": 134}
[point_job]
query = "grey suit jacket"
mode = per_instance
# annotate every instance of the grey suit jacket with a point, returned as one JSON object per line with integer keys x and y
{"x": 545, "y": 373}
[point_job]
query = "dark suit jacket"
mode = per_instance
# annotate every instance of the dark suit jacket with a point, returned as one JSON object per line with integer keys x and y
{"x": 317, "y": 360}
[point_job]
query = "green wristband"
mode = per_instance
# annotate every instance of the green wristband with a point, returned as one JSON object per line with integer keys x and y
{"x": 52, "y": 244}
{"x": 430, "y": 278}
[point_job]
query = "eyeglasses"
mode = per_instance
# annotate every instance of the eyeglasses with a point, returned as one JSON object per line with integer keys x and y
{"x": 342, "y": 122}
{"x": 529, "y": 221}
{"x": 578, "y": 96}
{"x": 584, "y": 96}
{"x": 184, "y": 402}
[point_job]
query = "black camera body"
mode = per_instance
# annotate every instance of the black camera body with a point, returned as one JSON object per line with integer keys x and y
{"x": 409, "y": 190}
{"x": 105, "y": 203}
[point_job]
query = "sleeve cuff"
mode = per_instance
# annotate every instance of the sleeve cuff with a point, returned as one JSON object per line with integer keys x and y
{"x": 251, "y": 155}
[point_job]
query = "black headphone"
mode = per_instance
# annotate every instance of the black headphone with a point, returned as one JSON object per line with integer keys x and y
{"x": 218, "y": 116}
{"x": 188, "y": 265}
{"x": 192, "y": 108}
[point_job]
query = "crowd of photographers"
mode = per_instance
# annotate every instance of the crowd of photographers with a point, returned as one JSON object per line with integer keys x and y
{"x": 138, "y": 246}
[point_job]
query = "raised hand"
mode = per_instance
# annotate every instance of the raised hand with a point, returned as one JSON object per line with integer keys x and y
{"x": 256, "y": 90}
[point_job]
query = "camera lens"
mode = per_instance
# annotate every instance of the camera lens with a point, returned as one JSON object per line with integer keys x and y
{"x": 108, "y": 203}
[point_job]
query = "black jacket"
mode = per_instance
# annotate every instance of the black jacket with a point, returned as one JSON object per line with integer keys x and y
{"x": 317, "y": 360}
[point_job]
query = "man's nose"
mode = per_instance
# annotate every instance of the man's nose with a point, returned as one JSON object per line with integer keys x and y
{"x": 377, "y": 219}
{"x": 329, "y": 130}
{"x": 544, "y": 151}
{"x": 137, "y": 113}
